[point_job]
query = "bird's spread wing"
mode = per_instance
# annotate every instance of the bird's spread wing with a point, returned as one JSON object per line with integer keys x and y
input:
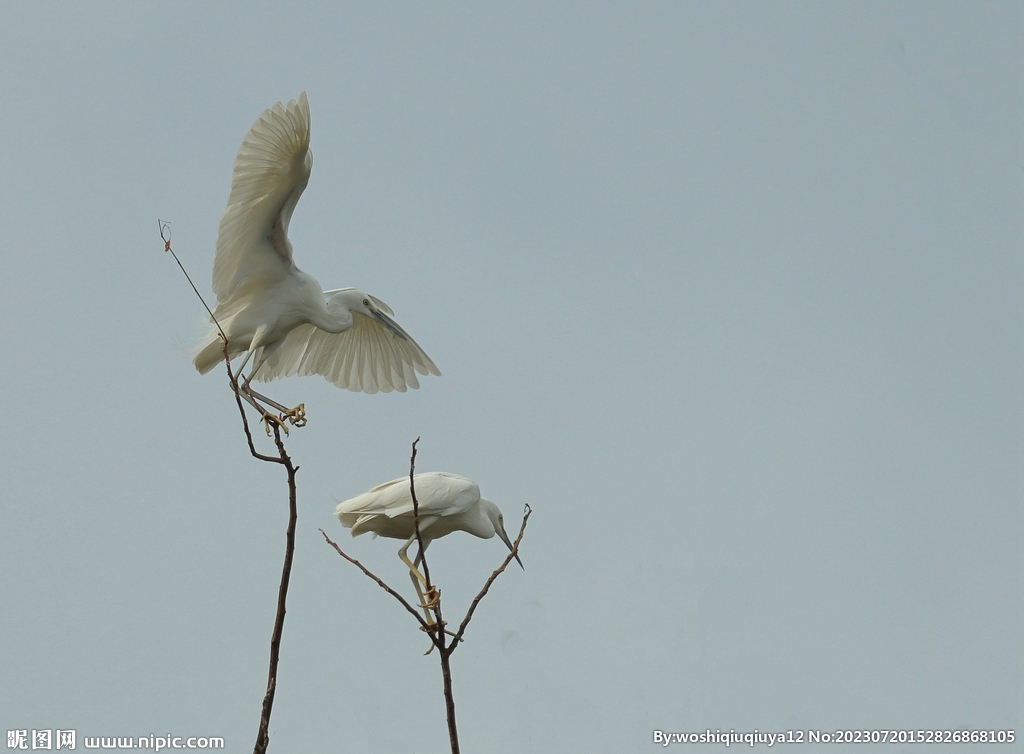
{"x": 368, "y": 357}
{"x": 439, "y": 494}
{"x": 270, "y": 173}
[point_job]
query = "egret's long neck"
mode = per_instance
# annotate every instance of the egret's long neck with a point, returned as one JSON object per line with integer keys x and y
{"x": 333, "y": 319}
{"x": 335, "y": 316}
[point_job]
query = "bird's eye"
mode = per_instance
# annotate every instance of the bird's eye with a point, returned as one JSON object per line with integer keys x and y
{"x": 366, "y": 302}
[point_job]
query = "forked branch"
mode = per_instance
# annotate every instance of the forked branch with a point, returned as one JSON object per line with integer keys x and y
{"x": 438, "y": 635}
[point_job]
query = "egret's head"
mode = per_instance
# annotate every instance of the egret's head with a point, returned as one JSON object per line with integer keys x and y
{"x": 358, "y": 302}
{"x": 498, "y": 521}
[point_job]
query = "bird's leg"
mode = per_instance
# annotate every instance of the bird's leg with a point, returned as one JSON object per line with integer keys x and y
{"x": 297, "y": 415}
{"x": 265, "y": 415}
{"x": 431, "y": 620}
{"x": 404, "y": 557}
{"x": 241, "y": 367}
{"x": 250, "y": 397}
{"x": 428, "y": 601}
{"x": 433, "y": 595}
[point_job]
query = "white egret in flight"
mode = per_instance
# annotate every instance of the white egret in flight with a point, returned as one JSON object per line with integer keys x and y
{"x": 447, "y": 503}
{"x": 273, "y": 312}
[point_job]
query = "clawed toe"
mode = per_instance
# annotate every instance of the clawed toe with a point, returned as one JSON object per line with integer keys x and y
{"x": 297, "y": 415}
{"x": 431, "y": 598}
{"x": 269, "y": 418}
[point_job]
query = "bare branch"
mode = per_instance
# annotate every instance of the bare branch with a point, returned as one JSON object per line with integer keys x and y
{"x": 263, "y": 735}
{"x": 245, "y": 422}
{"x": 416, "y": 524}
{"x": 508, "y": 559}
{"x": 443, "y": 650}
{"x": 380, "y": 581}
{"x": 165, "y": 236}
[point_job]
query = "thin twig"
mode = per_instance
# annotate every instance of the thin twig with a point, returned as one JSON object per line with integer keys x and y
{"x": 245, "y": 422}
{"x": 263, "y": 734}
{"x": 378, "y": 579}
{"x": 416, "y": 526}
{"x": 443, "y": 649}
{"x": 508, "y": 559}
{"x": 165, "y": 236}
{"x": 438, "y": 624}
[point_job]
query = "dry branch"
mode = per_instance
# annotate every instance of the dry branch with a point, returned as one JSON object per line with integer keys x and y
{"x": 282, "y": 458}
{"x": 436, "y": 630}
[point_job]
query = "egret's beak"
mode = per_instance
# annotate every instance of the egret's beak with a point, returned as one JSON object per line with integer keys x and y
{"x": 388, "y": 323}
{"x": 504, "y": 538}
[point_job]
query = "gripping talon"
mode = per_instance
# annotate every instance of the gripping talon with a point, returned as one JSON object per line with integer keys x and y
{"x": 431, "y": 598}
{"x": 279, "y": 421}
{"x": 297, "y": 415}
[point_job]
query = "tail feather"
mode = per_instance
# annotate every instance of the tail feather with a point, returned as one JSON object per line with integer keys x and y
{"x": 209, "y": 355}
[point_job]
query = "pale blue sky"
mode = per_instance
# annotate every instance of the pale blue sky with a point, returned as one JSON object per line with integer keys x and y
{"x": 729, "y": 293}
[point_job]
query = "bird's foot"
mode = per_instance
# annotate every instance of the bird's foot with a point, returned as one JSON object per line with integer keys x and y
{"x": 297, "y": 415}
{"x": 431, "y": 598}
{"x": 269, "y": 418}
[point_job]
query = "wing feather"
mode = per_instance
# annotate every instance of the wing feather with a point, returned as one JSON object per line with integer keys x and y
{"x": 439, "y": 494}
{"x": 367, "y": 357}
{"x": 379, "y": 367}
{"x": 270, "y": 173}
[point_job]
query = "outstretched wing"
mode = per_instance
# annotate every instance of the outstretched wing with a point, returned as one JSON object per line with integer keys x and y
{"x": 368, "y": 357}
{"x": 270, "y": 173}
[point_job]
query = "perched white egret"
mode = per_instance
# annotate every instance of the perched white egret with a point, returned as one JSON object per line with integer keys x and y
{"x": 447, "y": 503}
{"x": 273, "y": 312}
